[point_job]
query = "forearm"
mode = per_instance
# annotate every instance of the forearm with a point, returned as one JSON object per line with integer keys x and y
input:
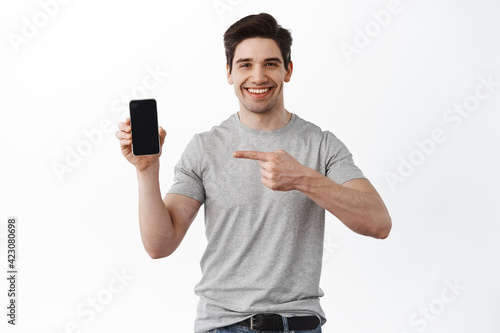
{"x": 154, "y": 219}
{"x": 362, "y": 212}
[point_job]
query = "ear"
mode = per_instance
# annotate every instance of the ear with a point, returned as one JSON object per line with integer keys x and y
{"x": 229, "y": 77}
{"x": 289, "y": 71}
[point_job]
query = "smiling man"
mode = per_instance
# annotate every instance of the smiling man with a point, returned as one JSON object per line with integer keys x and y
{"x": 258, "y": 80}
{"x": 266, "y": 178}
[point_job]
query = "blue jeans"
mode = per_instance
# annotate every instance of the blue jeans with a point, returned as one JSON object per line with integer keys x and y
{"x": 243, "y": 329}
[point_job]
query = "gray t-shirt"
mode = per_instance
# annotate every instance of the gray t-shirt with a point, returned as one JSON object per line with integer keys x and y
{"x": 265, "y": 247}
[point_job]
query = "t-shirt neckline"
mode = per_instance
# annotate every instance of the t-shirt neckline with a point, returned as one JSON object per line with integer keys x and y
{"x": 264, "y": 132}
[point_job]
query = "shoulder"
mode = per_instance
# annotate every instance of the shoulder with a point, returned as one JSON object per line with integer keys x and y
{"x": 308, "y": 128}
{"x": 225, "y": 128}
{"x": 306, "y": 125}
{"x": 324, "y": 140}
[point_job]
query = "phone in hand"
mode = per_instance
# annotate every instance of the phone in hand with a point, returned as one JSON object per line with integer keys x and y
{"x": 144, "y": 123}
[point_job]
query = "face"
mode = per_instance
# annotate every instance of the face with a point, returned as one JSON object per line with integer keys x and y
{"x": 259, "y": 75}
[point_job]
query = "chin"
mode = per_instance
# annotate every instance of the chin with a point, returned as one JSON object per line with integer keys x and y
{"x": 259, "y": 110}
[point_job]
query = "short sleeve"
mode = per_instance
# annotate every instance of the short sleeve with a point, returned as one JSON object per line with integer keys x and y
{"x": 188, "y": 179}
{"x": 340, "y": 166}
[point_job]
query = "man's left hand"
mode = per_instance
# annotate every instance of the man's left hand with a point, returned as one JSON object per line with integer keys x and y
{"x": 279, "y": 170}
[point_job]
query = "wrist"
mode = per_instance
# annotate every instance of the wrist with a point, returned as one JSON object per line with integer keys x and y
{"x": 149, "y": 172}
{"x": 309, "y": 180}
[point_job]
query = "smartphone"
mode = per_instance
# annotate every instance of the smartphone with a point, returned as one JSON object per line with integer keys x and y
{"x": 144, "y": 123}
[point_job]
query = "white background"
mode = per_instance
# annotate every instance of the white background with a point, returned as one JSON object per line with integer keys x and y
{"x": 79, "y": 228}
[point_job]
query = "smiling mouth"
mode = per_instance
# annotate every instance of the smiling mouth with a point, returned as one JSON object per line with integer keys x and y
{"x": 258, "y": 91}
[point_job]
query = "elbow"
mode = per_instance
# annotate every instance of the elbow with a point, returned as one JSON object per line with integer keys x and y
{"x": 157, "y": 254}
{"x": 384, "y": 228}
{"x": 383, "y": 234}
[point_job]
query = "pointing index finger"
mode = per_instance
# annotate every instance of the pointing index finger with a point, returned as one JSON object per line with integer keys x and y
{"x": 251, "y": 154}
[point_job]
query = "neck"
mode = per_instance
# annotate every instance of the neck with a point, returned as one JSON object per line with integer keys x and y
{"x": 267, "y": 121}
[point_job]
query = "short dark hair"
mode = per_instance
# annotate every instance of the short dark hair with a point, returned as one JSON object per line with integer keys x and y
{"x": 261, "y": 25}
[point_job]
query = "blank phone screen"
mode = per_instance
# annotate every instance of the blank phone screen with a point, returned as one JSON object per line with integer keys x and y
{"x": 144, "y": 123}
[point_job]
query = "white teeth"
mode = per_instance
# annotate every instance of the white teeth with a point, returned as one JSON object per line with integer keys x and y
{"x": 258, "y": 91}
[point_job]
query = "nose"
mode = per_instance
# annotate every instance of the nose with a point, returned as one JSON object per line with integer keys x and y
{"x": 259, "y": 75}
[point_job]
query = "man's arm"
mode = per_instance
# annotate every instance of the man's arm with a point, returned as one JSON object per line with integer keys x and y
{"x": 356, "y": 203}
{"x": 163, "y": 224}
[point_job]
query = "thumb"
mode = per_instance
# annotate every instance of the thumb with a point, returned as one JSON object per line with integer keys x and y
{"x": 162, "y": 133}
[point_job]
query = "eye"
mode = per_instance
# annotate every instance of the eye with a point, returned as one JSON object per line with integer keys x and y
{"x": 245, "y": 65}
{"x": 272, "y": 64}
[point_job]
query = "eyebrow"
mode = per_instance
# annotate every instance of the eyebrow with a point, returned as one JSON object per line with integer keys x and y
{"x": 251, "y": 59}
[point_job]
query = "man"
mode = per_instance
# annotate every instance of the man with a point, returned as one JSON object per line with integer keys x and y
{"x": 266, "y": 177}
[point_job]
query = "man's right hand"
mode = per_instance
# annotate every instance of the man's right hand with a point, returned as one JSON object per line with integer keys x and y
{"x": 125, "y": 136}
